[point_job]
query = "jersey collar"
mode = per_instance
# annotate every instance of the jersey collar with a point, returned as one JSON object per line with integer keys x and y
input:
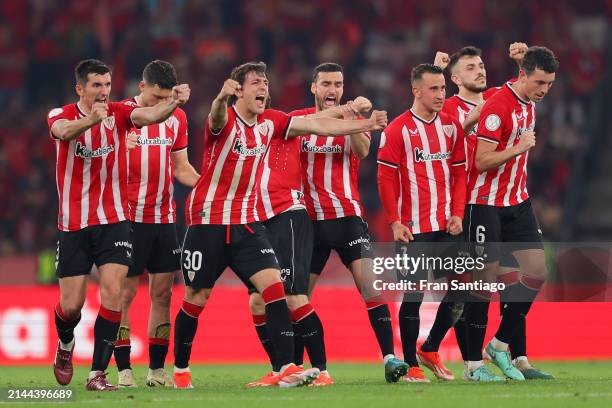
{"x": 521, "y": 100}
{"x": 423, "y": 120}
{"x": 242, "y": 119}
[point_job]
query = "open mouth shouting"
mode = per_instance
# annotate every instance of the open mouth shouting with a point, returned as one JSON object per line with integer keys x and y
{"x": 260, "y": 101}
{"x": 329, "y": 101}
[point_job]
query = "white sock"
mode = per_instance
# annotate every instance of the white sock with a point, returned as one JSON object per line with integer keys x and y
{"x": 388, "y": 357}
{"x": 283, "y": 368}
{"x": 92, "y": 374}
{"x": 498, "y": 345}
{"x": 473, "y": 365}
{"x": 181, "y": 370}
{"x": 67, "y": 346}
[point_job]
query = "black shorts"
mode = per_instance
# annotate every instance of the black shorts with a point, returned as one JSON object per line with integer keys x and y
{"x": 435, "y": 249}
{"x": 209, "y": 249}
{"x": 348, "y": 236}
{"x": 291, "y": 236}
{"x": 78, "y": 251}
{"x": 493, "y": 232}
{"x": 156, "y": 248}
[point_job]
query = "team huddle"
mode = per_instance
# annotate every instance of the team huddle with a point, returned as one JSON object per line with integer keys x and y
{"x": 277, "y": 193}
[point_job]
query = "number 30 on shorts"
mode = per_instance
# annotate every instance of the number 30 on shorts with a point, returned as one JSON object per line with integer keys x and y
{"x": 193, "y": 260}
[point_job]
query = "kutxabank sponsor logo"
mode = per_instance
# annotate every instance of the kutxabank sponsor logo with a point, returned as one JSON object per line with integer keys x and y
{"x": 241, "y": 149}
{"x": 423, "y": 156}
{"x": 309, "y": 148}
{"x": 82, "y": 151}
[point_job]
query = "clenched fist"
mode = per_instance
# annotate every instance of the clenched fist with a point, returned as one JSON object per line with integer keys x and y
{"x": 517, "y": 51}
{"x": 401, "y": 232}
{"x": 99, "y": 112}
{"x": 378, "y": 120}
{"x": 454, "y": 225}
{"x": 526, "y": 141}
{"x": 361, "y": 105}
{"x": 180, "y": 94}
{"x": 230, "y": 88}
{"x": 441, "y": 60}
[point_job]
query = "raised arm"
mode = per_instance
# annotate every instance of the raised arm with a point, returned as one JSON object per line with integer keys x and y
{"x": 517, "y": 52}
{"x": 218, "y": 111}
{"x": 163, "y": 110}
{"x": 336, "y": 127}
{"x": 67, "y": 130}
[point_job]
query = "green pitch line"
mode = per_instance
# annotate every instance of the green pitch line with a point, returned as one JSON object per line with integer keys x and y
{"x": 580, "y": 384}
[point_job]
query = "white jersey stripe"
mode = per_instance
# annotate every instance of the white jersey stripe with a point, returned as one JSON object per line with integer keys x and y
{"x": 414, "y": 190}
{"x": 245, "y": 201}
{"x": 103, "y": 175}
{"x": 115, "y": 178}
{"x": 500, "y": 170}
{"x": 346, "y": 175}
{"x": 313, "y": 191}
{"x": 144, "y": 175}
{"x": 445, "y": 168}
{"x": 67, "y": 183}
{"x": 162, "y": 174}
{"x": 327, "y": 181}
{"x": 86, "y": 180}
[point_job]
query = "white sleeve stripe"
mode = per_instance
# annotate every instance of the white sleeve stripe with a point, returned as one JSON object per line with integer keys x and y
{"x": 384, "y": 163}
{"x": 486, "y": 139}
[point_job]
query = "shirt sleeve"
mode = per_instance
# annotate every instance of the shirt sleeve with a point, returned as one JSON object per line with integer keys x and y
{"x": 491, "y": 124}
{"x": 56, "y": 114}
{"x": 390, "y": 149}
{"x": 224, "y": 131}
{"x": 282, "y": 123}
{"x": 181, "y": 142}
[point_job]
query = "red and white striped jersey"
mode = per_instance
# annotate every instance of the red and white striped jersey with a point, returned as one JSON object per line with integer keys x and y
{"x": 504, "y": 117}
{"x": 424, "y": 151}
{"x": 150, "y": 176}
{"x": 91, "y": 170}
{"x": 330, "y": 173}
{"x": 226, "y": 191}
{"x": 281, "y": 179}
{"x": 459, "y": 108}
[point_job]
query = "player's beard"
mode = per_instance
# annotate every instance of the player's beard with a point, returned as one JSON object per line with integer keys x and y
{"x": 475, "y": 88}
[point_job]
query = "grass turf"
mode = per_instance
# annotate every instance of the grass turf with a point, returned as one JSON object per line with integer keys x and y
{"x": 583, "y": 384}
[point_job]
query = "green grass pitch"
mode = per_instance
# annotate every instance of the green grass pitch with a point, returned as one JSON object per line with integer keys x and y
{"x": 580, "y": 384}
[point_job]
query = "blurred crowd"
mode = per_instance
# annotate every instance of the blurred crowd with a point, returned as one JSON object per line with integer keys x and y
{"x": 377, "y": 42}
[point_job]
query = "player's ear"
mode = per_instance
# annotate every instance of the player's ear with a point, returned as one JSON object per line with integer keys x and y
{"x": 313, "y": 88}
{"x": 141, "y": 86}
{"x": 416, "y": 92}
{"x": 456, "y": 80}
{"x": 79, "y": 89}
{"x": 522, "y": 74}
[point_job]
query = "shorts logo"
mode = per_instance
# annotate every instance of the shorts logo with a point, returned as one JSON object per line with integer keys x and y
{"x": 191, "y": 275}
{"x": 128, "y": 254}
{"x": 492, "y": 122}
{"x": 285, "y": 273}
{"x": 176, "y": 251}
{"x": 361, "y": 240}
{"x": 125, "y": 244}
{"x": 479, "y": 250}
{"x": 267, "y": 251}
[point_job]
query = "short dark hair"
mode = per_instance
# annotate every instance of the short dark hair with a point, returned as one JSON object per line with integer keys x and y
{"x": 468, "y": 51}
{"x": 160, "y": 73}
{"x": 89, "y": 66}
{"x": 539, "y": 58}
{"x": 326, "y": 67}
{"x": 419, "y": 70}
{"x": 240, "y": 73}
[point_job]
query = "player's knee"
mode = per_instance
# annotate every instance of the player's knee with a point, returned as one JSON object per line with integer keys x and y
{"x": 296, "y": 301}
{"x": 110, "y": 294}
{"x": 71, "y": 306}
{"x": 197, "y": 296}
{"x": 127, "y": 296}
{"x": 161, "y": 295}
{"x": 256, "y": 304}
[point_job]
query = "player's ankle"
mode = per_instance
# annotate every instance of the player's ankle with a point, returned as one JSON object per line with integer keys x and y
{"x": 498, "y": 345}
{"x": 178, "y": 370}
{"x": 474, "y": 365}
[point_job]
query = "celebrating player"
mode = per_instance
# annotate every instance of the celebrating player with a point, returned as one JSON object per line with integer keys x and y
{"x": 330, "y": 172}
{"x": 499, "y": 208}
{"x": 223, "y": 225}
{"x": 161, "y": 155}
{"x": 425, "y": 148}
{"x": 90, "y": 138}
